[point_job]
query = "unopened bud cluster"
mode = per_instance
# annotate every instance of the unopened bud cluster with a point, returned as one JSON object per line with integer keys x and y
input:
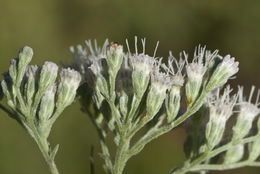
{"x": 37, "y": 98}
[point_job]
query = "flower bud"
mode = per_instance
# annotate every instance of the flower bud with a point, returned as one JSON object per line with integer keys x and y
{"x": 69, "y": 82}
{"x": 254, "y": 150}
{"x": 195, "y": 72}
{"x": 225, "y": 69}
{"x": 160, "y": 82}
{"x": 142, "y": 66}
{"x": 48, "y": 75}
{"x": 100, "y": 81}
{"x": 172, "y": 103}
{"x": 7, "y": 94}
{"x": 173, "y": 98}
{"x": 46, "y": 110}
{"x": 221, "y": 108}
{"x": 247, "y": 113}
{"x": 31, "y": 74}
{"x": 47, "y": 103}
{"x": 13, "y": 69}
{"x": 25, "y": 57}
{"x": 114, "y": 57}
{"x": 234, "y": 154}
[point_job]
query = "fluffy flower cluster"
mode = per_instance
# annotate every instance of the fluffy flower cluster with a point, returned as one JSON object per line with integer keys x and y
{"x": 138, "y": 68}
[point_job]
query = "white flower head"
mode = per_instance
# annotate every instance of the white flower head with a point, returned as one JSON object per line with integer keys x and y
{"x": 248, "y": 109}
{"x": 225, "y": 69}
{"x": 96, "y": 66}
{"x": 159, "y": 80}
{"x": 70, "y": 78}
{"x": 174, "y": 69}
{"x": 221, "y": 107}
{"x": 247, "y": 112}
{"x": 199, "y": 65}
{"x": 50, "y": 66}
{"x": 114, "y": 57}
{"x": 229, "y": 65}
{"x": 141, "y": 61}
{"x": 48, "y": 74}
{"x": 114, "y": 48}
{"x": 83, "y": 58}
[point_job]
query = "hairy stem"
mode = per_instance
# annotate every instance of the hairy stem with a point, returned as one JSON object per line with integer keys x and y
{"x": 225, "y": 166}
{"x": 121, "y": 154}
{"x": 168, "y": 127}
{"x": 209, "y": 154}
{"x": 43, "y": 146}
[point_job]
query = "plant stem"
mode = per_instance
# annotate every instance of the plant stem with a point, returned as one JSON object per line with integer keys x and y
{"x": 225, "y": 166}
{"x": 111, "y": 101}
{"x": 209, "y": 154}
{"x": 121, "y": 154}
{"x": 43, "y": 146}
{"x": 168, "y": 127}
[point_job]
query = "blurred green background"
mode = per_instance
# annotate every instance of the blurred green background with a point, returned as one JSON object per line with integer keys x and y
{"x": 51, "y": 26}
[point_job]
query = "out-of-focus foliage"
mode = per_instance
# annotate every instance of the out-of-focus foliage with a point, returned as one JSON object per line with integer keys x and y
{"x": 51, "y": 26}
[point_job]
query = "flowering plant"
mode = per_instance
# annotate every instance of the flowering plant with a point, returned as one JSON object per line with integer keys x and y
{"x": 124, "y": 92}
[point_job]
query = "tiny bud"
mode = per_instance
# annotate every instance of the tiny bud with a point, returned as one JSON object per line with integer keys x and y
{"x": 13, "y": 69}
{"x": 48, "y": 75}
{"x": 195, "y": 72}
{"x": 46, "y": 110}
{"x": 114, "y": 57}
{"x": 225, "y": 69}
{"x": 234, "y": 154}
{"x": 47, "y": 103}
{"x": 172, "y": 103}
{"x": 100, "y": 81}
{"x": 96, "y": 67}
{"x": 69, "y": 83}
{"x": 7, "y": 94}
{"x": 31, "y": 74}
{"x": 25, "y": 57}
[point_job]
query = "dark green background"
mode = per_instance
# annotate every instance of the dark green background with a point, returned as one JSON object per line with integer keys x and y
{"x": 51, "y": 26}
